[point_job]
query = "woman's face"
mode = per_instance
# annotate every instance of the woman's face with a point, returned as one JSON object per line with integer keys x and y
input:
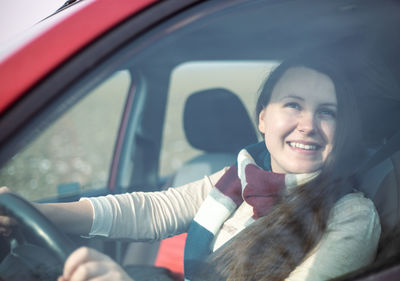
{"x": 300, "y": 120}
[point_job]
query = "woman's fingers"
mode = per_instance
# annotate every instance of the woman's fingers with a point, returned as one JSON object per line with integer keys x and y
{"x": 6, "y": 222}
{"x": 76, "y": 259}
{"x": 89, "y": 271}
{"x": 88, "y": 264}
{"x": 4, "y": 189}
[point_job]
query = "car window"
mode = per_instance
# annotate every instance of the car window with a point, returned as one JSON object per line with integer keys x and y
{"x": 183, "y": 56}
{"x": 74, "y": 153}
{"x": 234, "y": 49}
{"x": 228, "y": 45}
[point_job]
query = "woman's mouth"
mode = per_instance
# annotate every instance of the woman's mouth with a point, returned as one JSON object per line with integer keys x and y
{"x": 303, "y": 146}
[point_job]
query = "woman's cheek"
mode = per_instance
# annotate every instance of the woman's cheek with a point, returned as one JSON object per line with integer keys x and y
{"x": 329, "y": 129}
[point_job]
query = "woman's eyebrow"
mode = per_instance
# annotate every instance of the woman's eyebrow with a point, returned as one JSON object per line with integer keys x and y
{"x": 329, "y": 104}
{"x": 302, "y": 99}
{"x": 292, "y": 97}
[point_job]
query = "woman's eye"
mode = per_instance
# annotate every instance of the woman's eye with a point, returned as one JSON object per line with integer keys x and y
{"x": 328, "y": 113}
{"x": 293, "y": 105}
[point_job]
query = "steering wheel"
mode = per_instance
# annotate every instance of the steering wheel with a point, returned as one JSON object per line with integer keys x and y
{"x": 38, "y": 225}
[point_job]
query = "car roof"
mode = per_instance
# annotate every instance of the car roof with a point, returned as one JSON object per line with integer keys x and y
{"x": 20, "y": 68}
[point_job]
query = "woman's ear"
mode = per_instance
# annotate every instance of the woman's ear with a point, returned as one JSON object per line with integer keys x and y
{"x": 261, "y": 121}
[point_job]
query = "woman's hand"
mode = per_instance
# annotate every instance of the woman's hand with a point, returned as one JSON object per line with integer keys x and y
{"x": 6, "y": 222}
{"x": 89, "y": 264}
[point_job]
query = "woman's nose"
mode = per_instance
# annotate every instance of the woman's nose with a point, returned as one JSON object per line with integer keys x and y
{"x": 306, "y": 123}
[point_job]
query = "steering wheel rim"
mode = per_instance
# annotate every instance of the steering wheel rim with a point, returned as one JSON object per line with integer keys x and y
{"x": 41, "y": 227}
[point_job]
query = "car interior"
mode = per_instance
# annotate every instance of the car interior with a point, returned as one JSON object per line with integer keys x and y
{"x": 227, "y": 132}
{"x": 202, "y": 69}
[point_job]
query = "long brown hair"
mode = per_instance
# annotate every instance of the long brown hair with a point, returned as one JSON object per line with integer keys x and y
{"x": 272, "y": 247}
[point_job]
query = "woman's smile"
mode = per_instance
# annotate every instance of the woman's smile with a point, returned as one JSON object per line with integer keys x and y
{"x": 304, "y": 150}
{"x": 299, "y": 121}
{"x": 304, "y": 147}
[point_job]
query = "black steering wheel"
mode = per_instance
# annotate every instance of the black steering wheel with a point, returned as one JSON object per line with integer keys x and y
{"x": 38, "y": 225}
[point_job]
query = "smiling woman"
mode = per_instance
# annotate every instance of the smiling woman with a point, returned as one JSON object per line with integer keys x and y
{"x": 303, "y": 109}
{"x": 171, "y": 149}
{"x": 299, "y": 121}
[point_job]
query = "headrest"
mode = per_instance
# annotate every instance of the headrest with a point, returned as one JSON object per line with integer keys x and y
{"x": 215, "y": 120}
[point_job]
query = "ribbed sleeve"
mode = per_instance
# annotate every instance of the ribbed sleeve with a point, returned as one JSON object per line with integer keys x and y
{"x": 144, "y": 216}
{"x": 350, "y": 241}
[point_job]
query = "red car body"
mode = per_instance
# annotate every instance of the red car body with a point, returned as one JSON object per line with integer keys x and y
{"x": 21, "y": 69}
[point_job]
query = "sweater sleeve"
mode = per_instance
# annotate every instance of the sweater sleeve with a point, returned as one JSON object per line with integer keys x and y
{"x": 350, "y": 241}
{"x": 145, "y": 216}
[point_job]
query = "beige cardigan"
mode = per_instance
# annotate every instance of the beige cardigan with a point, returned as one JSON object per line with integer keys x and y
{"x": 349, "y": 243}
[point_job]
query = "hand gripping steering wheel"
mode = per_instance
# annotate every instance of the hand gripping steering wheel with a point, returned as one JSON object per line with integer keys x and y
{"x": 37, "y": 225}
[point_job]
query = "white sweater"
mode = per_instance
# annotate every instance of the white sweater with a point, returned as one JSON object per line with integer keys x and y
{"x": 350, "y": 241}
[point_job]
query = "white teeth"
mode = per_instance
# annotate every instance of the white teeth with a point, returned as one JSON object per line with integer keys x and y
{"x": 303, "y": 146}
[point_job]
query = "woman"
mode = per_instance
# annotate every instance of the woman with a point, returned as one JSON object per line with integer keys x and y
{"x": 323, "y": 228}
{"x": 288, "y": 199}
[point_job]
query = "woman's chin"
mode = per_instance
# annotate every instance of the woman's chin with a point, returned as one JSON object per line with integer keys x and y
{"x": 304, "y": 169}
{"x": 296, "y": 165}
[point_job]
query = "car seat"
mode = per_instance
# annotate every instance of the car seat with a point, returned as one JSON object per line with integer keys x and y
{"x": 382, "y": 185}
{"x": 217, "y": 123}
{"x": 379, "y": 180}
